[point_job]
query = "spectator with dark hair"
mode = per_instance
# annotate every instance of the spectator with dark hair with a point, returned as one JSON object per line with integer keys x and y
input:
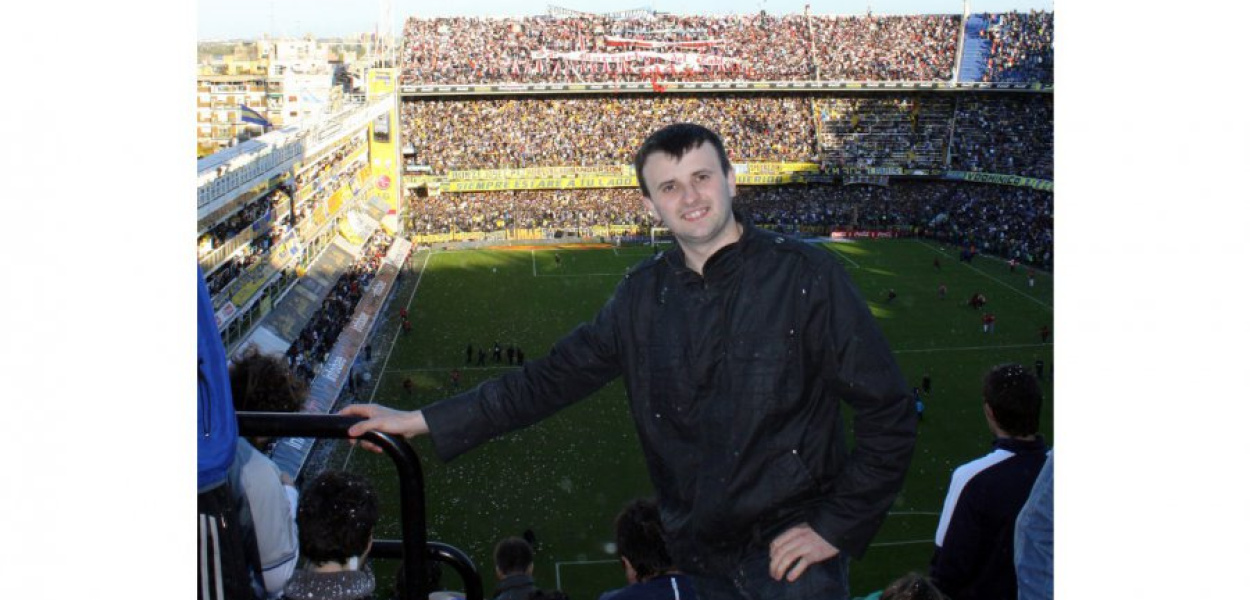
{"x": 648, "y": 566}
{"x": 974, "y": 557}
{"x": 514, "y": 568}
{"x": 265, "y": 497}
{"x": 336, "y": 523}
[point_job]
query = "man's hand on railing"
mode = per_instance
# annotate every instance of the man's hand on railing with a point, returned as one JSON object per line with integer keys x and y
{"x": 385, "y": 420}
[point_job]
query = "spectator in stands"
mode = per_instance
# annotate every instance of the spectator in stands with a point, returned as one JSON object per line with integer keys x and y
{"x": 818, "y": 505}
{"x": 648, "y": 566}
{"x": 1035, "y": 538}
{"x": 514, "y": 568}
{"x": 336, "y": 523}
{"x": 974, "y": 557}
{"x": 1021, "y": 47}
{"x": 265, "y": 498}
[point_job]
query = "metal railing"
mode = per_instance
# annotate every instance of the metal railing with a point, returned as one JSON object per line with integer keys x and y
{"x": 413, "y": 550}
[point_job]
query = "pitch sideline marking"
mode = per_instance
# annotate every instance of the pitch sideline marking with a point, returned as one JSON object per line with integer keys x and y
{"x": 995, "y": 279}
{"x": 390, "y": 351}
{"x": 854, "y": 265}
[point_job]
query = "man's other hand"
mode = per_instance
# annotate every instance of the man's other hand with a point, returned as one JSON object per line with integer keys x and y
{"x": 795, "y": 550}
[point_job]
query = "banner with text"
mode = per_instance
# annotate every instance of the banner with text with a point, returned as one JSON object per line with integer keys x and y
{"x": 1016, "y": 180}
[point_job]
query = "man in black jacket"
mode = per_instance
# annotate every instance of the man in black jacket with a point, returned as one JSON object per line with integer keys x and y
{"x": 738, "y": 348}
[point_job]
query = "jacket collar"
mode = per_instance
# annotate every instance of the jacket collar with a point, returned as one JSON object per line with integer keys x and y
{"x": 724, "y": 263}
{"x": 1019, "y": 446}
{"x": 518, "y": 580}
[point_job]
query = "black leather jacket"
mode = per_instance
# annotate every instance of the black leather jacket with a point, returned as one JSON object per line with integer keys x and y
{"x": 735, "y": 380}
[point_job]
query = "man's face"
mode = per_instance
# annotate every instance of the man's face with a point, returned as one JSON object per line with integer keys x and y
{"x": 693, "y": 197}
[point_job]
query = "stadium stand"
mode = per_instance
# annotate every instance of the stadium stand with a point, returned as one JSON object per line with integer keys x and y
{"x": 1021, "y": 47}
{"x": 756, "y": 47}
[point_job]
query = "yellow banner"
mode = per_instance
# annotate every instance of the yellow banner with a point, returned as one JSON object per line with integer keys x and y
{"x": 783, "y": 167}
{"x": 250, "y": 283}
{"x": 384, "y": 141}
{"x": 537, "y": 173}
{"x": 335, "y": 201}
{"x": 779, "y": 179}
{"x": 320, "y": 216}
{"x": 556, "y": 183}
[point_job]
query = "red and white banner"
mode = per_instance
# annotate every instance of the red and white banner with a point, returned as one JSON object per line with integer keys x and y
{"x": 838, "y": 234}
{"x": 684, "y": 58}
{"x": 614, "y": 41}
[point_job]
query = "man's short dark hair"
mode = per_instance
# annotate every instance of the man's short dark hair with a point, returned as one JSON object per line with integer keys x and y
{"x": 640, "y": 538}
{"x": 676, "y": 140}
{"x": 262, "y": 382}
{"x": 337, "y": 512}
{"x": 1014, "y": 398}
{"x": 513, "y": 555}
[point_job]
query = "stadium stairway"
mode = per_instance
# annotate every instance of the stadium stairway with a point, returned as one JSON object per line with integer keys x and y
{"x": 976, "y": 49}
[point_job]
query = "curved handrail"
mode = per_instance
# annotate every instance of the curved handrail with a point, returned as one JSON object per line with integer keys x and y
{"x": 413, "y": 549}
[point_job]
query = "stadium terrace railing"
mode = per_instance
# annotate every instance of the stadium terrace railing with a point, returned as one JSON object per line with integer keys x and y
{"x": 413, "y": 550}
{"x": 635, "y": 87}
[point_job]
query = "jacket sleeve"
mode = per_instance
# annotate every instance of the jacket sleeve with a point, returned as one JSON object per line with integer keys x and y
{"x": 960, "y": 555}
{"x": 578, "y": 365}
{"x": 860, "y": 369}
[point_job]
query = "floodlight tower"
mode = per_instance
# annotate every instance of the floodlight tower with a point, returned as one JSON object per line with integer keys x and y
{"x": 383, "y": 31}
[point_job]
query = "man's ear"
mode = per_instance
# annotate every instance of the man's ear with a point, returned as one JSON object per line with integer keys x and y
{"x": 630, "y": 574}
{"x": 733, "y": 183}
{"x": 650, "y": 204}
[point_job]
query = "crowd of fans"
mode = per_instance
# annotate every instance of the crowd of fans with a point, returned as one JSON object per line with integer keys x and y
{"x": 328, "y": 175}
{"x": 1022, "y": 47}
{"x": 312, "y": 347}
{"x": 754, "y": 47}
{"x": 245, "y": 217}
{"x": 1005, "y": 134}
{"x": 993, "y": 133}
{"x": 886, "y": 48}
{"x": 581, "y": 131}
{"x": 891, "y": 130}
{"x": 564, "y": 210}
{"x": 1006, "y": 221}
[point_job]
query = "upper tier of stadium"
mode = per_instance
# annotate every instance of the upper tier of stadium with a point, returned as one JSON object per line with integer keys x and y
{"x": 649, "y": 46}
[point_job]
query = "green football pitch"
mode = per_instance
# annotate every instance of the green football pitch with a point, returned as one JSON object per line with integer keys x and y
{"x": 566, "y": 477}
